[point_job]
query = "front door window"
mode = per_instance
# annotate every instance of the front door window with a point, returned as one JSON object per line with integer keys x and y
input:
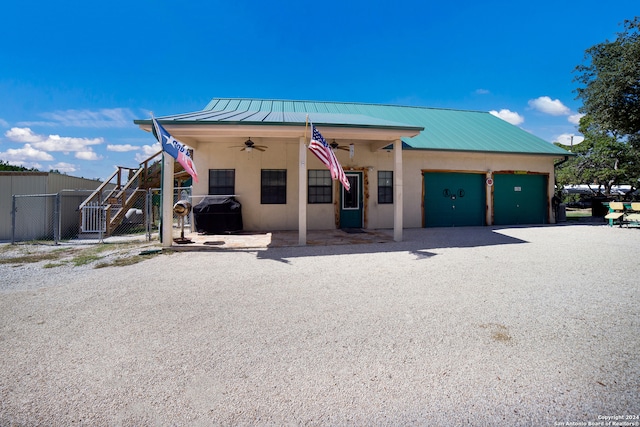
{"x": 350, "y": 199}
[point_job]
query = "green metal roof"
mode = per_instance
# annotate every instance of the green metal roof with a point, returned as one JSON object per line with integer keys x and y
{"x": 442, "y": 129}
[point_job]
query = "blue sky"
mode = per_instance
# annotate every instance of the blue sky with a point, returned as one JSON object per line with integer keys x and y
{"x": 75, "y": 74}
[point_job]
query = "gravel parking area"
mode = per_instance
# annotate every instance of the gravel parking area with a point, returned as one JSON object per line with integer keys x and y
{"x": 462, "y": 326}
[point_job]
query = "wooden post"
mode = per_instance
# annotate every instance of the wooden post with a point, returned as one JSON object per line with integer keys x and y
{"x": 397, "y": 190}
{"x": 302, "y": 193}
{"x": 167, "y": 200}
{"x": 489, "y": 198}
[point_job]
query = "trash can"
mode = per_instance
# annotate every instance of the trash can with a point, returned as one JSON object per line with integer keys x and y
{"x": 218, "y": 214}
{"x": 598, "y": 209}
{"x": 562, "y": 212}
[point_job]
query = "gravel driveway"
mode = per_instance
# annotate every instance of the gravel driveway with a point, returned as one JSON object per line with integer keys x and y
{"x": 478, "y": 326}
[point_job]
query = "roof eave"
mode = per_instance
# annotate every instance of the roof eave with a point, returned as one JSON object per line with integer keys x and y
{"x": 407, "y": 147}
{"x": 195, "y": 129}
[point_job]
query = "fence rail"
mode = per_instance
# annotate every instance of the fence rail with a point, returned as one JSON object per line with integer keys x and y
{"x": 64, "y": 216}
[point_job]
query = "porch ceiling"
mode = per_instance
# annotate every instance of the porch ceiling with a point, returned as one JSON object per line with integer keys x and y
{"x": 376, "y": 136}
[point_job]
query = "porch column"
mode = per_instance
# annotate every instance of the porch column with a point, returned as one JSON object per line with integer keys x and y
{"x": 489, "y": 197}
{"x": 302, "y": 194}
{"x": 167, "y": 200}
{"x": 397, "y": 190}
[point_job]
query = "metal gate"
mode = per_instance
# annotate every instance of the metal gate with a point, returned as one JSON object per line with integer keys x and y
{"x": 94, "y": 218}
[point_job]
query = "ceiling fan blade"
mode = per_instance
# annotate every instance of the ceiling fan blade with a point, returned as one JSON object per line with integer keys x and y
{"x": 255, "y": 147}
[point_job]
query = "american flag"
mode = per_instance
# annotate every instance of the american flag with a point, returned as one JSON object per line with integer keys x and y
{"x": 321, "y": 149}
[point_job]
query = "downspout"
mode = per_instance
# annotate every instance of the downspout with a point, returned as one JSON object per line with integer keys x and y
{"x": 555, "y": 165}
{"x": 561, "y": 162}
{"x": 555, "y": 190}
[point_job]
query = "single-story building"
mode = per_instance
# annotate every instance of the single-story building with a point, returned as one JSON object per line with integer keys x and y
{"x": 35, "y": 209}
{"x": 408, "y": 166}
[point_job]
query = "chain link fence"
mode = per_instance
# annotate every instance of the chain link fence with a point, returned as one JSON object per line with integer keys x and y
{"x": 63, "y": 217}
{"x": 155, "y": 214}
{"x": 35, "y": 217}
{"x": 46, "y": 217}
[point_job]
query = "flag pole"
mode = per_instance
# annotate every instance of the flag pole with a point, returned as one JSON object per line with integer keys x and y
{"x": 306, "y": 125}
{"x": 162, "y": 172}
{"x": 302, "y": 186}
{"x": 166, "y": 191}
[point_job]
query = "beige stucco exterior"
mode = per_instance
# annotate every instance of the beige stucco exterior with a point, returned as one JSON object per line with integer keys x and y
{"x": 369, "y": 157}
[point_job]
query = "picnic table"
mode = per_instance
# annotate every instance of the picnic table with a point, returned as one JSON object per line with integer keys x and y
{"x": 623, "y": 212}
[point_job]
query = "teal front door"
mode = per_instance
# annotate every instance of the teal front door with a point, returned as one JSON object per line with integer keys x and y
{"x": 351, "y": 202}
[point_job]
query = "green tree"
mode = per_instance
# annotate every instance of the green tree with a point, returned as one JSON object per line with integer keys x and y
{"x": 610, "y": 92}
{"x": 601, "y": 160}
{"x": 5, "y": 166}
{"x": 611, "y": 82}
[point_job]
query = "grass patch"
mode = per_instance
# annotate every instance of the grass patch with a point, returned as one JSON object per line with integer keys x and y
{"x": 96, "y": 253}
{"x": 122, "y": 261}
{"x": 84, "y": 259}
{"x": 579, "y": 213}
{"x": 105, "y": 255}
{"x": 30, "y": 258}
{"x": 54, "y": 264}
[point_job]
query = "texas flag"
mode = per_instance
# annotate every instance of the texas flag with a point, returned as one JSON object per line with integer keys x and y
{"x": 176, "y": 149}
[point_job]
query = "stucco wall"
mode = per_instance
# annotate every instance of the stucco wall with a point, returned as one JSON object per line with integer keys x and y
{"x": 284, "y": 154}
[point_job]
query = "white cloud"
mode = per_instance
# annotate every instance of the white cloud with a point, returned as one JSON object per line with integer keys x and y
{"x": 508, "y": 116}
{"x": 104, "y": 118}
{"x": 64, "y": 167}
{"x": 565, "y": 139}
{"x": 550, "y": 106}
{"x": 147, "y": 151}
{"x": 52, "y": 142}
{"x": 482, "y": 92}
{"x": 22, "y": 135}
{"x": 575, "y": 118}
{"x": 87, "y": 155}
{"x": 4, "y": 123}
{"x": 37, "y": 123}
{"x": 122, "y": 148}
{"x": 150, "y": 150}
{"x": 25, "y": 154}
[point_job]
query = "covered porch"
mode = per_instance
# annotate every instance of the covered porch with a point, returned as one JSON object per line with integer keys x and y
{"x": 212, "y": 140}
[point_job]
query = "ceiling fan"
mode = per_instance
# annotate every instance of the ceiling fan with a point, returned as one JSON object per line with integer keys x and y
{"x": 335, "y": 146}
{"x": 249, "y": 146}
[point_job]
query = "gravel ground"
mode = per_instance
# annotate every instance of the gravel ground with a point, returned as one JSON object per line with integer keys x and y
{"x": 477, "y": 326}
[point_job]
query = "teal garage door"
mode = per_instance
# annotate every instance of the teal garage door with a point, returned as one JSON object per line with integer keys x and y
{"x": 454, "y": 199}
{"x": 519, "y": 199}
